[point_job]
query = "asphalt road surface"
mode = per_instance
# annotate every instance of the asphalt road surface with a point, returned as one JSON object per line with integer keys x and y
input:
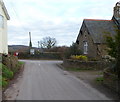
{"x": 44, "y": 80}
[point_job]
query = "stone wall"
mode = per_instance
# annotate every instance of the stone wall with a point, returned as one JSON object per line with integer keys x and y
{"x": 95, "y": 50}
{"x": 96, "y": 65}
{"x": 92, "y": 48}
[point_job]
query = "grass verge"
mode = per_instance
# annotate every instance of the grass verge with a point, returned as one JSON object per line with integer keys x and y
{"x": 77, "y": 69}
{"x": 99, "y": 79}
{"x": 8, "y": 74}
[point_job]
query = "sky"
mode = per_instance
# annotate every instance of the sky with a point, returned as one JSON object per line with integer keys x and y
{"x": 60, "y": 19}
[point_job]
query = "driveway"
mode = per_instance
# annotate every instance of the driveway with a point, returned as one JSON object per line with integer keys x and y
{"x": 44, "y": 80}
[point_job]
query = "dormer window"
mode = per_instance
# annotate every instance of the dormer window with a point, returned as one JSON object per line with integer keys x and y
{"x": 1, "y": 21}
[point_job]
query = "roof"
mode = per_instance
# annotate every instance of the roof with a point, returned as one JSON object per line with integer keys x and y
{"x": 5, "y": 10}
{"x": 99, "y": 28}
{"x": 118, "y": 21}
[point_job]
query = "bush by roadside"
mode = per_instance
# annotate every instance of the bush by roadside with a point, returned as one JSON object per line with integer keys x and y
{"x": 45, "y": 55}
{"x": 7, "y": 74}
{"x": 9, "y": 66}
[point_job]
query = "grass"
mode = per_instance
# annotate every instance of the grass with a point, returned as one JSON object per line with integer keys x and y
{"x": 21, "y": 63}
{"x": 99, "y": 79}
{"x": 8, "y": 74}
{"x": 18, "y": 66}
{"x": 100, "y": 73}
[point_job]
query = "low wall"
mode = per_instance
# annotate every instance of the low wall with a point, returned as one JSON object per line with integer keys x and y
{"x": 98, "y": 65}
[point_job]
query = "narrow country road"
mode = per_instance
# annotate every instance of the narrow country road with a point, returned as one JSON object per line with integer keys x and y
{"x": 44, "y": 80}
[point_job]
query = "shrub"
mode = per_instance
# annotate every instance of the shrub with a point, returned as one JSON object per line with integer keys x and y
{"x": 6, "y": 72}
{"x": 79, "y": 57}
{"x": 113, "y": 44}
{"x": 0, "y": 81}
{"x": 18, "y": 66}
{"x": 99, "y": 79}
{"x": 72, "y": 50}
{"x": 4, "y": 82}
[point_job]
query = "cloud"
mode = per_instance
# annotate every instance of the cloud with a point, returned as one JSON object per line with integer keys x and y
{"x": 56, "y": 18}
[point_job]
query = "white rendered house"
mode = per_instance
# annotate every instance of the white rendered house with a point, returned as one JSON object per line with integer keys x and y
{"x": 3, "y": 28}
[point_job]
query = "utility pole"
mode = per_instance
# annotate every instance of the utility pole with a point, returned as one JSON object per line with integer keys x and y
{"x": 30, "y": 44}
{"x": 31, "y": 50}
{"x": 38, "y": 44}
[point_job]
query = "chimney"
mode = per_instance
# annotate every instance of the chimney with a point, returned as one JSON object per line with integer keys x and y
{"x": 117, "y": 10}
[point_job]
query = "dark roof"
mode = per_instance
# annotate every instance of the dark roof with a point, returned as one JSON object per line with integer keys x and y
{"x": 99, "y": 28}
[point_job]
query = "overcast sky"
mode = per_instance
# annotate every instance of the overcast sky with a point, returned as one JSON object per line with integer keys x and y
{"x": 60, "y": 19}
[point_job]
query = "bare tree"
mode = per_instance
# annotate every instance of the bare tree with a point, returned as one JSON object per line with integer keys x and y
{"x": 48, "y": 42}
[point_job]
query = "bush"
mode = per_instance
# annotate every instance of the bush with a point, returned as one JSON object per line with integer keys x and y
{"x": 45, "y": 55}
{"x": 0, "y": 82}
{"x": 18, "y": 66}
{"x": 4, "y": 82}
{"x": 72, "y": 50}
{"x": 9, "y": 67}
{"x": 79, "y": 57}
{"x": 6, "y": 72}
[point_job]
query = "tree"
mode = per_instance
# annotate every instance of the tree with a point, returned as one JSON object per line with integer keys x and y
{"x": 73, "y": 50}
{"x": 113, "y": 44}
{"x": 48, "y": 42}
{"x": 114, "y": 51}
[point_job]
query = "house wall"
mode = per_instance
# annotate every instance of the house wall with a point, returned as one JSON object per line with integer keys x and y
{"x": 94, "y": 50}
{"x": 3, "y": 33}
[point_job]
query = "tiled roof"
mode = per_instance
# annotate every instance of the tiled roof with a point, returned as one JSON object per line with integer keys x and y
{"x": 99, "y": 28}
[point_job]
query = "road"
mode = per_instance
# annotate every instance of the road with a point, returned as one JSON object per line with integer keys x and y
{"x": 44, "y": 80}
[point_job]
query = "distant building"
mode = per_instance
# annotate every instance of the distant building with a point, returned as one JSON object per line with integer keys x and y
{"x": 3, "y": 28}
{"x": 91, "y": 38}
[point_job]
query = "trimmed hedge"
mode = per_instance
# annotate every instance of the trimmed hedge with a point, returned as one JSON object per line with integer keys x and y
{"x": 40, "y": 56}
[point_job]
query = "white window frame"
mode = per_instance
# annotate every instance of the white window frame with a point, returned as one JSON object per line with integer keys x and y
{"x": 1, "y": 21}
{"x": 119, "y": 11}
{"x": 85, "y": 47}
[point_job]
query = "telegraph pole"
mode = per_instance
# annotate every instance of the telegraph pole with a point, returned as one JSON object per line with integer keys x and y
{"x": 31, "y": 50}
{"x": 38, "y": 44}
{"x": 30, "y": 44}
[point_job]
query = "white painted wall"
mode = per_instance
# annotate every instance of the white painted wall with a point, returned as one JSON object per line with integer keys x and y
{"x": 3, "y": 33}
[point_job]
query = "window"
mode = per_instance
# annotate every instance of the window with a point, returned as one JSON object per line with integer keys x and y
{"x": 119, "y": 11}
{"x": 1, "y": 21}
{"x": 85, "y": 47}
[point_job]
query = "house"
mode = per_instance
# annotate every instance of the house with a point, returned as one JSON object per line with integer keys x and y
{"x": 3, "y": 28}
{"x": 91, "y": 37}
